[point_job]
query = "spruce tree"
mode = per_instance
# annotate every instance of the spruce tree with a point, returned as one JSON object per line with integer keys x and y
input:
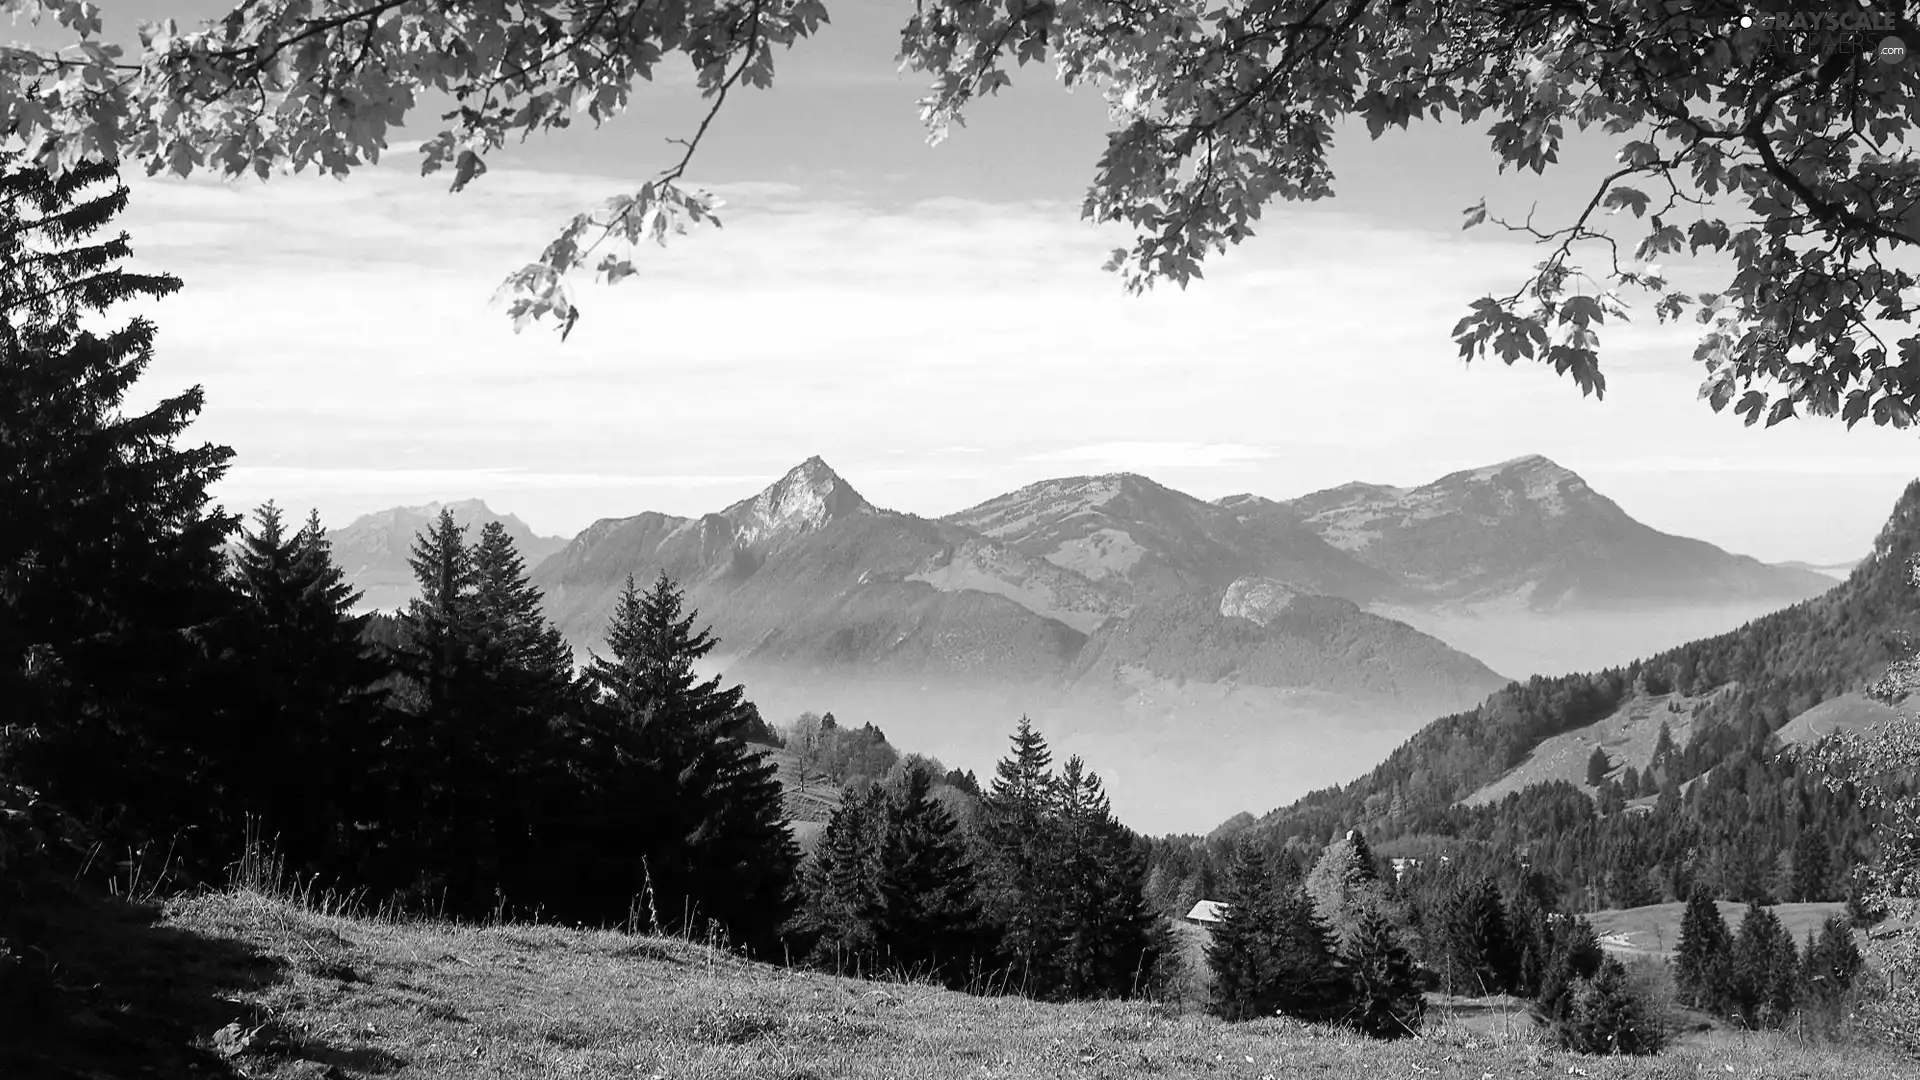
{"x": 1271, "y": 954}
{"x": 309, "y": 714}
{"x": 1703, "y": 956}
{"x": 1810, "y": 859}
{"x": 836, "y": 928}
{"x": 1106, "y": 940}
{"x": 929, "y": 917}
{"x": 111, "y": 560}
{"x": 1607, "y": 1016}
{"x": 1387, "y": 998}
{"x": 532, "y": 714}
{"x": 1017, "y": 821}
{"x": 717, "y": 847}
{"x": 1481, "y": 954}
{"x": 1765, "y": 969}
{"x": 1831, "y": 960}
{"x": 1598, "y": 766}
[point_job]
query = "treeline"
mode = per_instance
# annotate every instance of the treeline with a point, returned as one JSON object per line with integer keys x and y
{"x": 1760, "y": 827}
{"x": 168, "y": 698}
{"x": 1756, "y": 976}
{"x": 1352, "y": 941}
{"x": 1030, "y": 886}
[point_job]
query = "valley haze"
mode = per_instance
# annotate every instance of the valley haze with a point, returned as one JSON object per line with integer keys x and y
{"x": 1206, "y": 657}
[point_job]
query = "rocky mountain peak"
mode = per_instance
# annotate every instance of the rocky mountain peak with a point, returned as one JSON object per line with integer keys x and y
{"x": 810, "y": 496}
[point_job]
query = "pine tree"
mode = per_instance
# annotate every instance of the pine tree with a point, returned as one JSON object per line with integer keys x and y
{"x": 1832, "y": 960}
{"x": 534, "y": 706}
{"x": 717, "y": 847}
{"x": 1598, "y": 766}
{"x": 1607, "y": 1016}
{"x": 1575, "y": 957}
{"x": 1387, "y": 998}
{"x": 1106, "y": 935}
{"x": 1810, "y": 858}
{"x": 836, "y": 926}
{"x": 111, "y": 562}
{"x": 1703, "y": 956}
{"x": 1017, "y": 821}
{"x": 1482, "y": 957}
{"x": 1271, "y": 954}
{"x": 929, "y": 918}
{"x": 1765, "y": 969}
{"x": 310, "y": 716}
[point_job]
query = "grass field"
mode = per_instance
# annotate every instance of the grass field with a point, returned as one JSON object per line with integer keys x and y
{"x": 1654, "y": 930}
{"x": 236, "y": 984}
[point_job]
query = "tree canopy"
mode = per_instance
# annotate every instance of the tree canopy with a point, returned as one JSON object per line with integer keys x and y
{"x": 1773, "y": 148}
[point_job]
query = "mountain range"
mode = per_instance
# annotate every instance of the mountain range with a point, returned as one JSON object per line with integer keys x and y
{"x": 373, "y": 550}
{"x": 1203, "y": 655}
{"x": 1785, "y": 679}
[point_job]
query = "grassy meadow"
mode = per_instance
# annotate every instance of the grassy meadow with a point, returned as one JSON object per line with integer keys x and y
{"x": 244, "y": 985}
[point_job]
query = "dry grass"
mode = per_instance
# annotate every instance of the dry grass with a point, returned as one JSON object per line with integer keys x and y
{"x": 418, "y": 999}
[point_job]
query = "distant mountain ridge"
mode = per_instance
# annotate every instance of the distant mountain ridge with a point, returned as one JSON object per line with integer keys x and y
{"x": 1798, "y": 672}
{"x": 1149, "y": 629}
{"x": 1534, "y": 532}
{"x": 373, "y": 549}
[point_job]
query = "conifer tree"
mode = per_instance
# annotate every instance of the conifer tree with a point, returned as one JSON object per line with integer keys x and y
{"x": 1810, "y": 858}
{"x": 1607, "y": 1016}
{"x": 309, "y": 714}
{"x": 533, "y": 703}
{"x": 1106, "y": 935}
{"x": 1765, "y": 969}
{"x": 1703, "y": 956}
{"x": 928, "y": 921}
{"x": 836, "y": 928}
{"x": 111, "y": 560}
{"x": 1575, "y": 957}
{"x": 1481, "y": 953}
{"x": 1598, "y": 766}
{"x": 1017, "y": 820}
{"x": 717, "y": 846}
{"x": 1271, "y": 954}
{"x": 1387, "y": 998}
{"x": 1831, "y": 960}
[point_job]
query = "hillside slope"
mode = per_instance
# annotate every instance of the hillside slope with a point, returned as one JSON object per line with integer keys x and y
{"x": 1769, "y": 671}
{"x": 258, "y": 988}
{"x": 1124, "y": 615}
{"x": 1532, "y": 531}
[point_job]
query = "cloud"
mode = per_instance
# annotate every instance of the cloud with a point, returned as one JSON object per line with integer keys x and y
{"x": 1827, "y": 465}
{"x": 400, "y": 480}
{"x": 1147, "y": 456}
{"x": 343, "y": 336}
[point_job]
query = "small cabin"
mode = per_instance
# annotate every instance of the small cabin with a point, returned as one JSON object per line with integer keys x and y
{"x": 1207, "y": 913}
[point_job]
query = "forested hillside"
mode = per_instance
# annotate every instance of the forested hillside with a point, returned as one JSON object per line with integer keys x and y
{"x": 1722, "y": 807}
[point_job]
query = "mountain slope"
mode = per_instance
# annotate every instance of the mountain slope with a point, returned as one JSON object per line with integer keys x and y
{"x": 1762, "y": 675}
{"x": 1115, "y": 608}
{"x": 1531, "y": 531}
{"x": 372, "y": 551}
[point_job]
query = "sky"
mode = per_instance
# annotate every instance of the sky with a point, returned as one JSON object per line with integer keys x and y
{"x": 933, "y": 321}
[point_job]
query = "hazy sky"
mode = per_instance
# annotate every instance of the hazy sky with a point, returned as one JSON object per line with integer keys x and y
{"x": 932, "y": 321}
